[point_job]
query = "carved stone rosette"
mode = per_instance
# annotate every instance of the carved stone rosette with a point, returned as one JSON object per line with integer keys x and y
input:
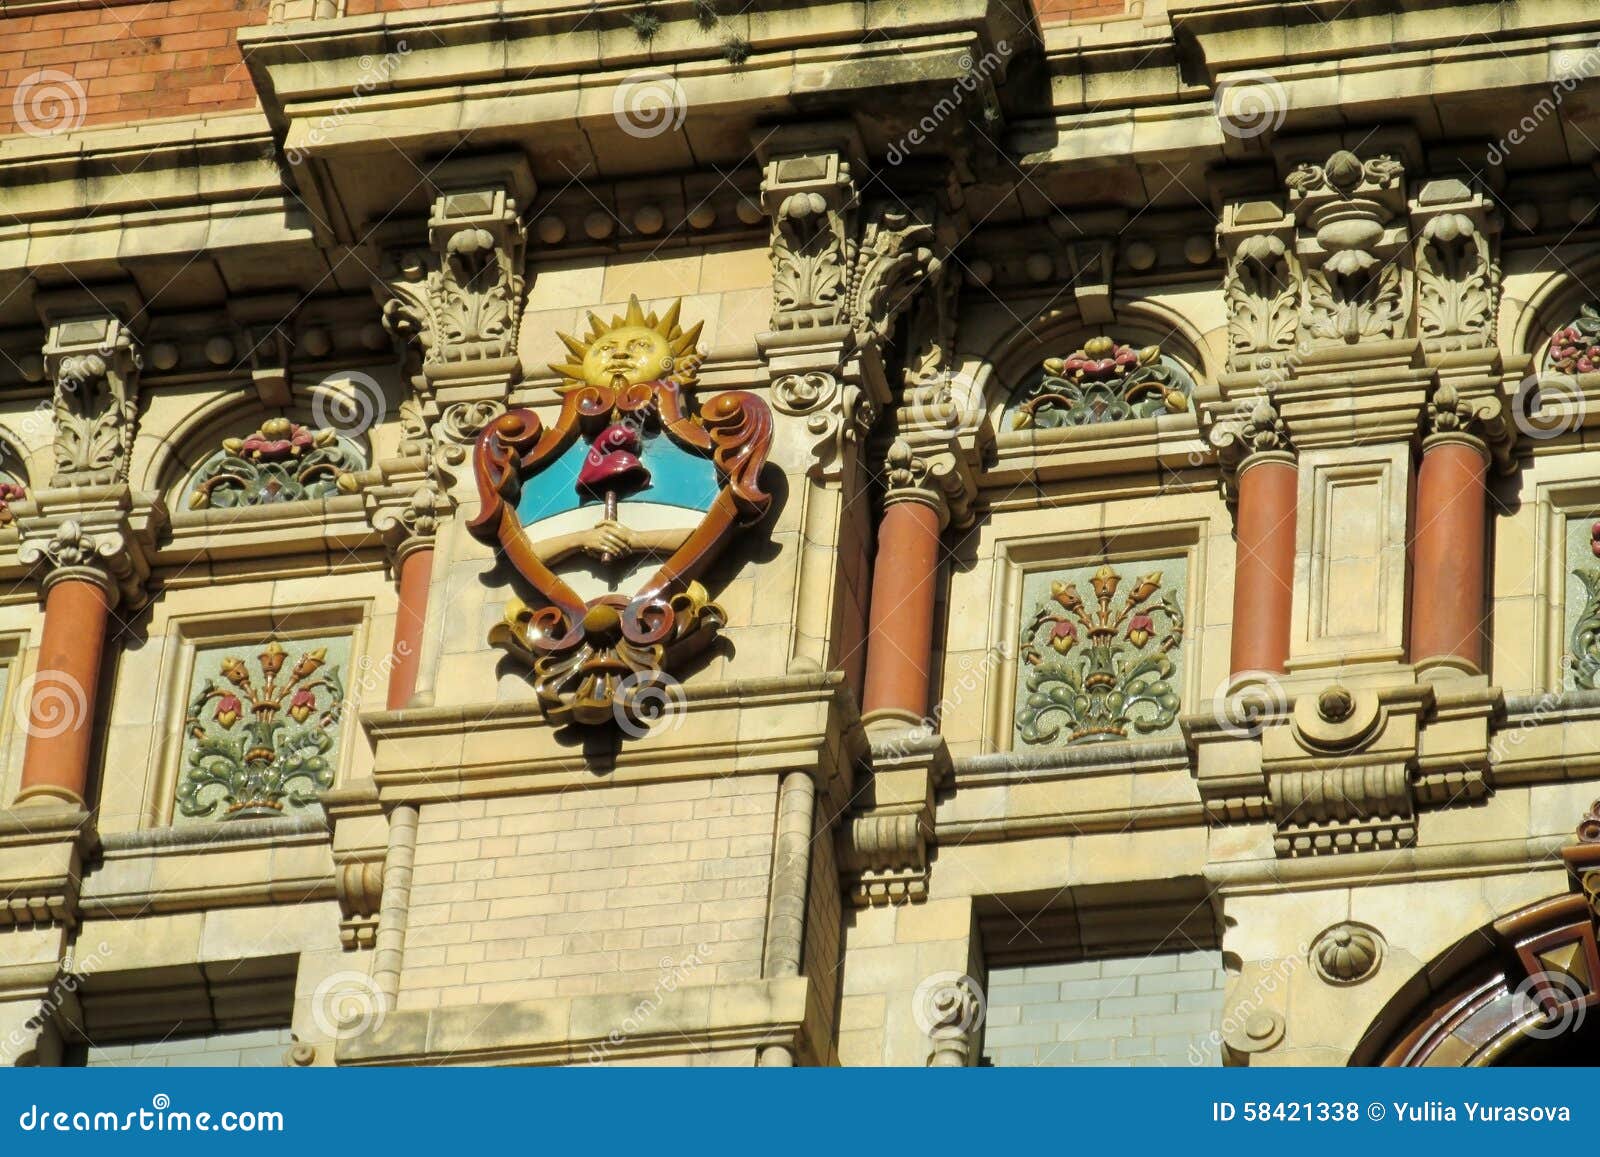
{"x": 595, "y": 660}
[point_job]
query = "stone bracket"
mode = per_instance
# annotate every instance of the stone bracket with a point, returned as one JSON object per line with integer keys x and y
{"x": 360, "y": 848}
{"x": 1344, "y": 769}
{"x": 883, "y": 844}
{"x": 42, "y": 855}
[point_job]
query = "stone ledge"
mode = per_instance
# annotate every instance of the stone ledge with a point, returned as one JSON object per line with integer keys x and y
{"x": 568, "y": 1030}
{"x": 206, "y": 866}
{"x": 756, "y": 727}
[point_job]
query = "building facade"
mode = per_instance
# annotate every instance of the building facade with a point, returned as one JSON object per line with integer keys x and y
{"x": 800, "y": 533}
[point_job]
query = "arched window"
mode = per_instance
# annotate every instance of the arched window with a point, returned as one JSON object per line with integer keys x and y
{"x": 1103, "y": 380}
{"x": 282, "y": 461}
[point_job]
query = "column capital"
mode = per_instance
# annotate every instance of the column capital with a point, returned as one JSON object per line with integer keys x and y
{"x": 933, "y": 476}
{"x": 103, "y": 535}
{"x": 1260, "y": 435}
{"x": 406, "y": 506}
{"x": 1482, "y": 422}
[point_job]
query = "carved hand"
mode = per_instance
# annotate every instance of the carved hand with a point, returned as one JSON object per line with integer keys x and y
{"x": 608, "y": 540}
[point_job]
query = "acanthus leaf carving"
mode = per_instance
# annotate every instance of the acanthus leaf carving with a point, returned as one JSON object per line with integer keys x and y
{"x": 1262, "y": 295}
{"x": 94, "y": 366}
{"x": 461, "y": 304}
{"x": 1353, "y": 296}
{"x": 1458, "y": 284}
{"x": 813, "y": 250}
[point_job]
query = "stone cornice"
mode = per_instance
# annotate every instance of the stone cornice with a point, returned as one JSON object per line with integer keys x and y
{"x": 759, "y": 727}
{"x": 568, "y": 68}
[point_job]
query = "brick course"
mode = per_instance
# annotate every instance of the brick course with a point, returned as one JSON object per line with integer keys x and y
{"x": 124, "y": 62}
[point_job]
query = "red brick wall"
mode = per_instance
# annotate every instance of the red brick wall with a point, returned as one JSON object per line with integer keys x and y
{"x": 366, "y": 7}
{"x": 127, "y": 62}
{"x": 1070, "y": 11}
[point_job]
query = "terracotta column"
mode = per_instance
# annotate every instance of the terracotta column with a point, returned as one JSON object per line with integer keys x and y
{"x": 900, "y": 622}
{"x": 415, "y": 573}
{"x": 1448, "y": 543}
{"x": 61, "y": 713}
{"x": 1263, "y": 573}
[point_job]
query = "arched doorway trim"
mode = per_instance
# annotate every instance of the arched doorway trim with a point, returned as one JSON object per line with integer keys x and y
{"x": 1538, "y": 975}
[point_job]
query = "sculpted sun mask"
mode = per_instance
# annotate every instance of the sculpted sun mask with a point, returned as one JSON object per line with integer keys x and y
{"x": 636, "y": 346}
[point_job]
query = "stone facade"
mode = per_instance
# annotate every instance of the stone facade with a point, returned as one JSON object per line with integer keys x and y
{"x": 649, "y": 534}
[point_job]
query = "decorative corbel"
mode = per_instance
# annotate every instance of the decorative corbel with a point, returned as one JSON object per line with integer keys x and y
{"x": 883, "y": 848}
{"x": 1261, "y": 288}
{"x": 1352, "y": 243}
{"x": 360, "y": 847}
{"x": 1458, "y": 278}
{"x": 93, "y": 364}
{"x": 458, "y": 302}
{"x": 811, "y": 200}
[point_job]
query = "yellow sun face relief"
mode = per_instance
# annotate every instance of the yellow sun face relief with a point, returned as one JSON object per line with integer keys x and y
{"x": 634, "y": 352}
{"x": 636, "y": 347}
